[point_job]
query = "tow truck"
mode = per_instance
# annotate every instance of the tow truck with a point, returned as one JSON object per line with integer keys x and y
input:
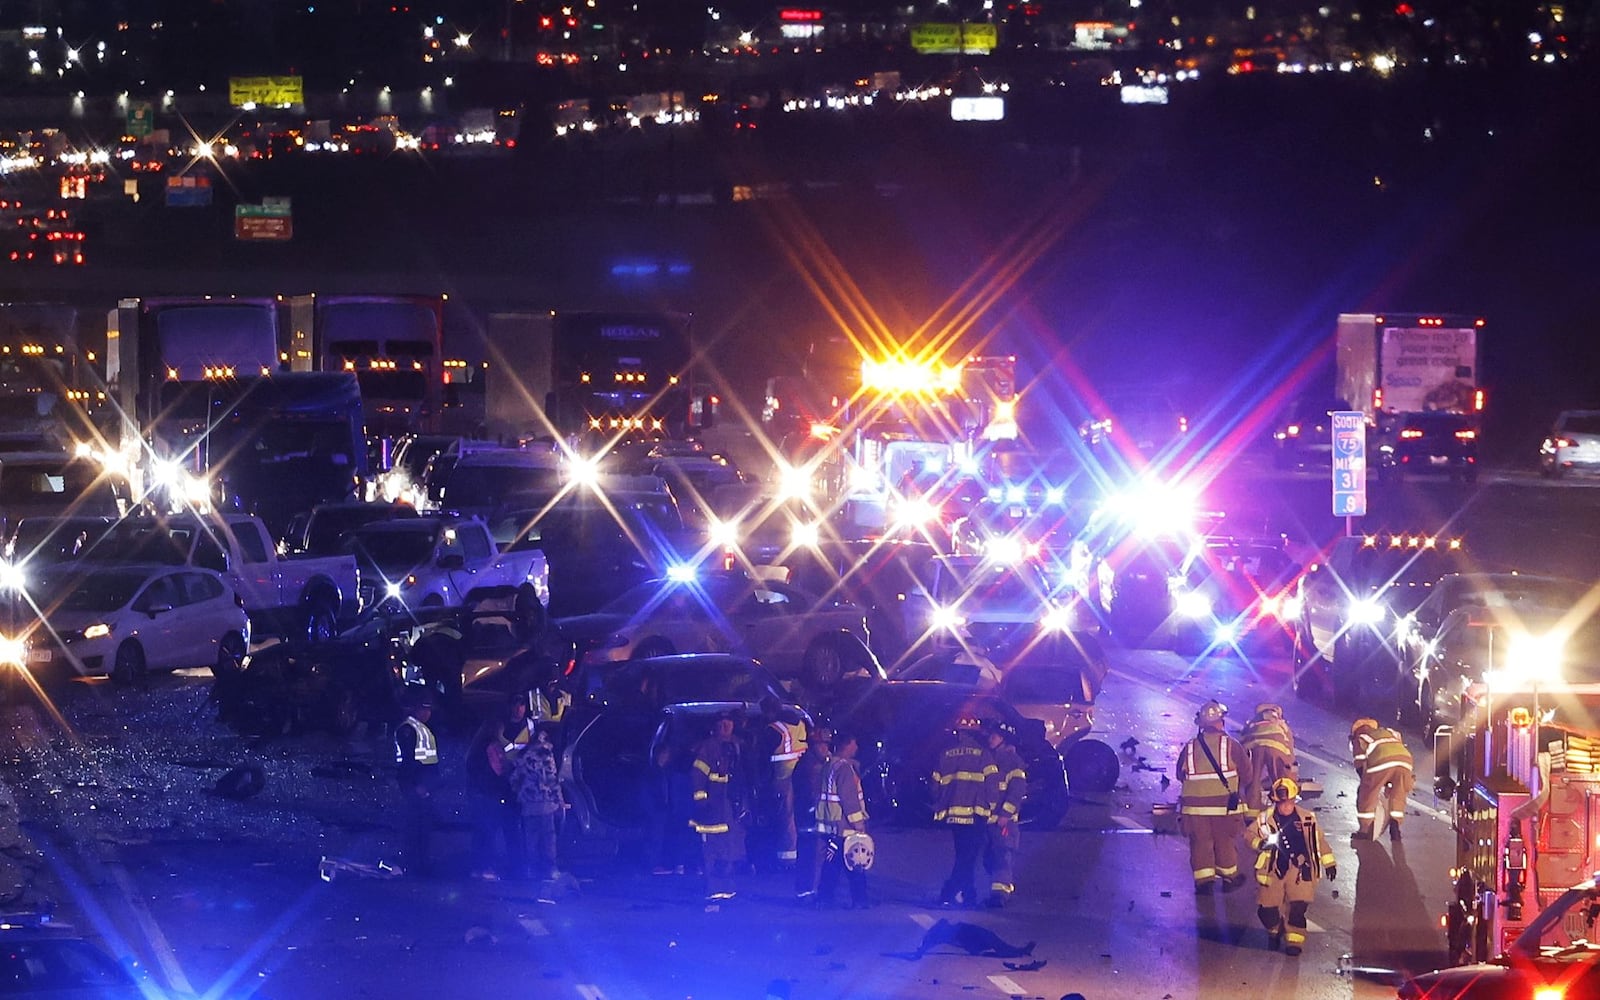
{"x": 1523, "y": 772}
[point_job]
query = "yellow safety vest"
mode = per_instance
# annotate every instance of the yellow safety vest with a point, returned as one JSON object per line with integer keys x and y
{"x": 791, "y": 744}
{"x": 427, "y": 749}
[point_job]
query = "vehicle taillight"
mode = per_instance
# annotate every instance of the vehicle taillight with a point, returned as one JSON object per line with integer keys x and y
{"x": 1466, "y": 435}
{"x": 1377, "y": 399}
{"x": 1293, "y": 430}
{"x": 1410, "y": 433}
{"x": 1562, "y": 443}
{"x": 1477, "y": 400}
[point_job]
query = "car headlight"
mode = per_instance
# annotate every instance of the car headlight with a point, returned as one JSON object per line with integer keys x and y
{"x": 1193, "y": 604}
{"x": 13, "y": 651}
{"x": 946, "y": 619}
{"x": 914, "y": 512}
{"x": 681, "y": 573}
{"x": 794, "y": 483}
{"x": 99, "y": 630}
{"x": 1057, "y": 620}
{"x": 1225, "y": 633}
{"x": 392, "y": 589}
{"x": 804, "y": 535}
{"x": 1006, "y": 551}
{"x": 724, "y": 534}
{"x": 1367, "y": 611}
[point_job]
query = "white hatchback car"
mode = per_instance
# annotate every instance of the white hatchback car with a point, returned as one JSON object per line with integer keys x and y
{"x": 127, "y": 621}
{"x": 1573, "y": 444}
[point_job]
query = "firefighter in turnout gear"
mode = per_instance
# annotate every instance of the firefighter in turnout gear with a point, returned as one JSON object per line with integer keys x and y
{"x": 1269, "y": 750}
{"x": 1209, "y": 800}
{"x": 719, "y": 807}
{"x": 1004, "y": 831}
{"x": 1386, "y": 771}
{"x": 1292, "y": 856}
{"x": 842, "y": 809}
{"x": 783, "y": 741}
{"x": 966, "y": 791}
{"x": 809, "y": 775}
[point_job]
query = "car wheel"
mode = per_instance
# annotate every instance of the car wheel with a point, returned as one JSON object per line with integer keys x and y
{"x": 321, "y": 624}
{"x": 129, "y": 667}
{"x": 230, "y": 656}
{"x": 823, "y": 664}
{"x": 651, "y": 648}
{"x": 1091, "y": 767}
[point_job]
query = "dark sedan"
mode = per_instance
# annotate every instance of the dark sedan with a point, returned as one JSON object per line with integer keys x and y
{"x": 903, "y": 727}
{"x": 626, "y": 715}
{"x": 1420, "y": 443}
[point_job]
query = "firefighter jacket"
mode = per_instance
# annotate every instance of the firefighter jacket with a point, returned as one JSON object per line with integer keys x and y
{"x": 718, "y": 798}
{"x": 1285, "y": 843}
{"x": 1207, "y": 789}
{"x": 809, "y": 774}
{"x": 786, "y": 748}
{"x": 1268, "y": 734}
{"x": 1385, "y": 752}
{"x": 841, "y": 806}
{"x": 966, "y": 784}
{"x": 1013, "y": 784}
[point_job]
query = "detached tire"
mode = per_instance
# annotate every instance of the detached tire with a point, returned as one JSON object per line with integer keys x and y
{"x": 1092, "y": 767}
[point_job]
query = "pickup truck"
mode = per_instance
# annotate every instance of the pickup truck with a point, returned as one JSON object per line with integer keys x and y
{"x": 436, "y": 561}
{"x": 295, "y": 597}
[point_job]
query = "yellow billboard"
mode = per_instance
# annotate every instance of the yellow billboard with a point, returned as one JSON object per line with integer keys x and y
{"x": 270, "y": 91}
{"x": 939, "y": 39}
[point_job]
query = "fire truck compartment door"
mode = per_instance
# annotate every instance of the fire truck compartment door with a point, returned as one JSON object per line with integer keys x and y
{"x": 1565, "y": 835}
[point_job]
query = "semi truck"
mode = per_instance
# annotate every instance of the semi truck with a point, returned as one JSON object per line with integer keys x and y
{"x": 593, "y": 376}
{"x": 1393, "y": 363}
{"x": 394, "y": 344}
{"x": 201, "y": 382}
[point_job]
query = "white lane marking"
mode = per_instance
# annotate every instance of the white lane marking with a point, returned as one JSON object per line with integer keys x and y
{"x": 922, "y": 920}
{"x": 1126, "y": 822}
{"x": 1005, "y": 984}
{"x": 535, "y": 928}
{"x": 1421, "y": 807}
{"x": 589, "y": 991}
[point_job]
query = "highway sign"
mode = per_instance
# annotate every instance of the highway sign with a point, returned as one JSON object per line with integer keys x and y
{"x": 1349, "y": 463}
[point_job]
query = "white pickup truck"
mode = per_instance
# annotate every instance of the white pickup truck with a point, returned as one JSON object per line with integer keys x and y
{"x": 435, "y": 561}
{"x": 293, "y": 596}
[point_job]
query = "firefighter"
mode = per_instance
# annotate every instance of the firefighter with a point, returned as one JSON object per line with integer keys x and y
{"x": 1004, "y": 830}
{"x": 1386, "y": 770}
{"x": 966, "y": 790}
{"x": 1209, "y": 801}
{"x": 719, "y": 807}
{"x": 809, "y": 775}
{"x": 841, "y": 809}
{"x": 783, "y": 740}
{"x": 1269, "y": 750}
{"x": 1292, "y": 856}
{"x": 416, "y": 758}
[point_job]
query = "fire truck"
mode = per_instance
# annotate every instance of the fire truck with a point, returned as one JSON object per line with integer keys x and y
{"x": 1523, "y": 769}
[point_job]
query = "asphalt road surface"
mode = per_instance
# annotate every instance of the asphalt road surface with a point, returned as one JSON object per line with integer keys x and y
{"x": 218, "y": 898}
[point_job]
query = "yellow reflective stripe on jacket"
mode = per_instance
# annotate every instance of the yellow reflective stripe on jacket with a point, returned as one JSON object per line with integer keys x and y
{"x": 426, "y": 750}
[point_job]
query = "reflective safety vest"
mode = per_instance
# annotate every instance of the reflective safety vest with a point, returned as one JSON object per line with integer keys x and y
{"x": 966, "y": 785}
{"x": 1205, "y": 790}
{"x": 1386, "y": 753}
{"x": 791, "y": 744}
{"x": 1268, "y": 734}
{"x": 841, "y": 806}
{"x": 426, "y": 750}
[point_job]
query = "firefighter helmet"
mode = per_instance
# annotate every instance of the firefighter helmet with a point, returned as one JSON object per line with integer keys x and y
{"x": 1211, "y": 713}
{"x": 1269, "y": 710}
{"x": 1363, "y": 725}
{"x": 858, "y": 851}
{"x": 1285, "y": 790}
{"x": 1001, "y": 728}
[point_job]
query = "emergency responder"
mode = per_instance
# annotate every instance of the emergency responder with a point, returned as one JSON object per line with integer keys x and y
{"x": 1005, "y": 828}
{"x": 1291, "y": 856}
{"x": 809, "y": 774}
{"x": 416, "y": 758}
{"x": 966, "y": 790}
{"x": 1209, "y": 801}
{"x": 719, "y": 807}
{"x": 842, "y": 809}
{"x": 1269, "y": 751}
{"x": 783, "y": 741}
{"x": 1386, "y": 770}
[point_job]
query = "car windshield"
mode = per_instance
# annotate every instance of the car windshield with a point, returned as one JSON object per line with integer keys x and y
{"x": 1588, "y": 423}
{"x": 106, "y": 590}
{"x": 697, "y": 681}
{"x": 991, "y": 588}
{"x": 48, "y": 540}
{"x": 391, "y": 552}
{"x": 1053, "y": 684}
{"x": 485, "y": 485}
{"x": 946, "y": 667}
{"x": 330, "y": 524}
